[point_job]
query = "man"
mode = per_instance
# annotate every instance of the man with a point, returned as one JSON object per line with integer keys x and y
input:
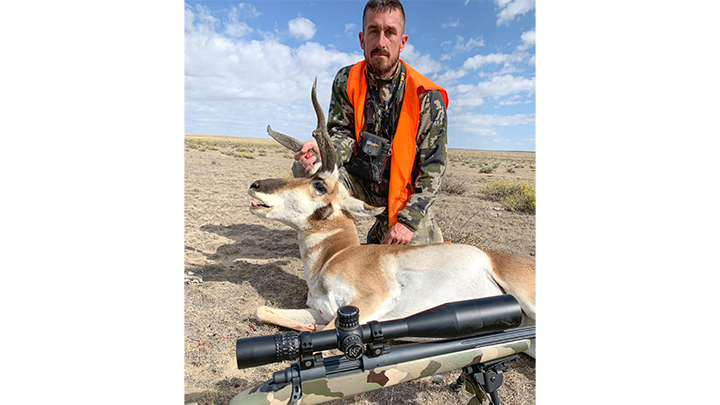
{"x": 385, "y": 97}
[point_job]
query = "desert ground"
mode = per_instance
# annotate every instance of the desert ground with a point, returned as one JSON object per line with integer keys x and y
{"x": 236, "y": 262}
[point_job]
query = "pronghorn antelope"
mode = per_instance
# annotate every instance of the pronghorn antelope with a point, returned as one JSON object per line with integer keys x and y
{"x": 383, "y": 281}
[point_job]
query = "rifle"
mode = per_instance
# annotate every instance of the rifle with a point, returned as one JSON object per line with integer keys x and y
{"x": 480, "y": 337}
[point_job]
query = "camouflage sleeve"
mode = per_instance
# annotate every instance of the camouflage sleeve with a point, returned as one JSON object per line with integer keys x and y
{"x": 341, "y": 119}
{"x": 430, "y": 159}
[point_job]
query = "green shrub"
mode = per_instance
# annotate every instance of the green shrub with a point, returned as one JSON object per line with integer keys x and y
{"x": 517, "y": 196}
{"x": 243, "y": 155}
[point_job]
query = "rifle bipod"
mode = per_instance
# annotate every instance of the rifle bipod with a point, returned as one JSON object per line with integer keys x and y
{"x": 485, "y": 379}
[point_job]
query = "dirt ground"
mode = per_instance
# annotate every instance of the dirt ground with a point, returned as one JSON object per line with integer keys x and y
{"x": 236, "y": 262}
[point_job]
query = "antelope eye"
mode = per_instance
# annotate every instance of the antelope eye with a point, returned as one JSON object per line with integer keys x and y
{"x": 319, "y": 186}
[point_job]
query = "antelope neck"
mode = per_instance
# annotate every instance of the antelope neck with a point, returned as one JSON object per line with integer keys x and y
{"x": 319, "y": 245}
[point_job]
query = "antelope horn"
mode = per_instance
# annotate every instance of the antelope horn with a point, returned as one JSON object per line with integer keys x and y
{"x": 284, "y": 140}
{"x": 327, "y": 151}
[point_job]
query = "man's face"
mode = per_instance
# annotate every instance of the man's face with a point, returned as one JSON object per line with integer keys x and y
{"x": 382, "y": 40}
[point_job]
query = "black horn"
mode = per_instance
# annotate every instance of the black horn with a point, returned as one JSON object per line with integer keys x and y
{"x": 327, "y": 151}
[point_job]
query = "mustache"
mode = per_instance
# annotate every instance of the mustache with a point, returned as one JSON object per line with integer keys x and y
{"x": 380, "y": 51}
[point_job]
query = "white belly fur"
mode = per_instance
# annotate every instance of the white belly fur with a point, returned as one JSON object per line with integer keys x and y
{"x": 453, "y": 273}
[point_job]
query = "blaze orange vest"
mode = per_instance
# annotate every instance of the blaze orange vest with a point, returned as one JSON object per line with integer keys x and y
{"x": 404, "y": 143}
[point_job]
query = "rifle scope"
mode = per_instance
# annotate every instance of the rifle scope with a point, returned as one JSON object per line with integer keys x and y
{"x": 451, "y": 320}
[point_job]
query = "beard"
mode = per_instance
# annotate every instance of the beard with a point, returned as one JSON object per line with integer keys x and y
{"x": 384, "y": 67}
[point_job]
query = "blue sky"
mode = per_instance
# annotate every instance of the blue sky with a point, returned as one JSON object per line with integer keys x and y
{"x": 250, "y": 64}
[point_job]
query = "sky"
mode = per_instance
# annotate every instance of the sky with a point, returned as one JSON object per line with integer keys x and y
{"x": 252, "y": 64}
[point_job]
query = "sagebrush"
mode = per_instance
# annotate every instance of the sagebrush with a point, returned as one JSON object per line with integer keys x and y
{"x": 515, "y": 196}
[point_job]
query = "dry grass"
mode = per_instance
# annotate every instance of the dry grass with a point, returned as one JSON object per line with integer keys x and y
{"x": 239, "y": 262}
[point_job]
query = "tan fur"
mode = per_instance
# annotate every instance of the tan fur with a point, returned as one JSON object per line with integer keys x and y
{"x": 357, "y": 265}
{"x": 331, "y": 246}
{"x": 516, "y": 275}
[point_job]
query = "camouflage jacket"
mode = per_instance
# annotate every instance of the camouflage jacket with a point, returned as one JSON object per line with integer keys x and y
{"x": 431, "y": 151}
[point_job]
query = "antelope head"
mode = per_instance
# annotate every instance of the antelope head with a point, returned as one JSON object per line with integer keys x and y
{"x": 303, "y": 202}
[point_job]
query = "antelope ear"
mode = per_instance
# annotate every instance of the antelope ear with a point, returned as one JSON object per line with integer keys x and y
{"x": 360, "y": 208}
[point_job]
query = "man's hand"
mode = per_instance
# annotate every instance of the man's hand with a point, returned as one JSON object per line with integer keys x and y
{"x": 398, "y": 234}
{"x": 305, "y": 158}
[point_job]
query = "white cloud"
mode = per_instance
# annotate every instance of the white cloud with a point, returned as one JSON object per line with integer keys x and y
{"x": 483, "y": 124}
{"x": 528, "y": 40}
{"x": 479, "y": 60}
{"x": 473, "y": 95}
{"x": 452, "y": 24}
{"x": 468, "y": 46}
{"x": 424, "y": 64}
{"x": 237, "y": 30}
{"x": 313, "y": 57}
{"x": 506, "y": 69}
{"x": 189, "y": 17}
{"x": 466, "y": 102}
{"x": 506, "y": 84}
{"x": 222, "y": 68}
{"x": 236, "y": 86}
{"x": 509, "y": 9}
{"x": 302, "y": 28}
{"x": 506, "y": 59}
{"x": 350, "y": 28}
{"x": 201, "y": 17}
{"x": 247, "y": 10}
{"x": 461, "y": 46}
{"x": 450, "y": 77}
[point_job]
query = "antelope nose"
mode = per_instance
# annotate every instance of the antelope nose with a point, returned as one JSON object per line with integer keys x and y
{"x": 255, "y": 185}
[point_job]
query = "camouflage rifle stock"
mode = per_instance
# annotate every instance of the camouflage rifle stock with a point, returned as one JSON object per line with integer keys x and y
{"x": 315, "y": 379}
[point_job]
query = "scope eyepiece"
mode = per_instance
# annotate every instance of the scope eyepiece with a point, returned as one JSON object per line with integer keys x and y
{"x": 259, "y": 350}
